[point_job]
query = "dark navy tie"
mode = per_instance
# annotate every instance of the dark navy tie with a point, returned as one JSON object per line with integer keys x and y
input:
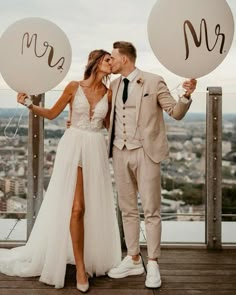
{"x": 125, "y": 91}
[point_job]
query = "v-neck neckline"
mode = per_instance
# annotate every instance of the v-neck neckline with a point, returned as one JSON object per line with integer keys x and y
{"x": 91, "y": 111}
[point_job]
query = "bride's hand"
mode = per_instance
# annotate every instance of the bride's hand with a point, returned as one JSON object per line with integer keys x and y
{"x": 21, "y": 98}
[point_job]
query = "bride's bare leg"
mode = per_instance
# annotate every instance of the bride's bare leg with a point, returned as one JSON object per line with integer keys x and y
{"x": 77, "y": 228}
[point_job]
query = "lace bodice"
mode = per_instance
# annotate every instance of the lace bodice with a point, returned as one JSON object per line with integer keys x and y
{"x": 80, "y": 117}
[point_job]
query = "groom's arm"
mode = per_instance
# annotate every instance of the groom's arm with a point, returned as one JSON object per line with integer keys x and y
{"x": 174, "y": 108}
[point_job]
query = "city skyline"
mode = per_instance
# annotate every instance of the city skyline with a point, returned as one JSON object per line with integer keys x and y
{"x": 91, "y": 25}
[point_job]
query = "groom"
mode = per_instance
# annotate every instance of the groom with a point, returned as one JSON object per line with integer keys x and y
{"x": 138, "y": 143}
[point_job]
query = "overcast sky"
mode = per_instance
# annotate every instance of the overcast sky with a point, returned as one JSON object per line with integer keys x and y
{"x": 93, "y": 24}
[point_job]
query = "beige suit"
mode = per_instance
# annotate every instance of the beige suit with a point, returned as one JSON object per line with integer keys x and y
{"x": 138, "y": 170}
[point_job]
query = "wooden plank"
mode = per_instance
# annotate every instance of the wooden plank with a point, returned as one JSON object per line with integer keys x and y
{"x": 195, "y": 252}
{"x": 193, "y": 292}
{"x": 188, "y": 266}
{"x": 211, "y": 272}
{"x": 198, "y": 279}
{"x": 200, "y": 260}
{"x": 133, "y": 282}
{"x": 197, "y": 286}
{"x": 76, "y": 292}
{"x": 116, "y": 292}
{"x": 119, "y": 292}
{"x": 169, "y": 282}
{"x": 198, "y": 255}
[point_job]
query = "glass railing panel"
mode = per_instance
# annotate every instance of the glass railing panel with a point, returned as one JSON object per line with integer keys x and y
{"x": 183, "y": 173}
{"x": 53, "y": 131}
{"x": 13, "y": 168}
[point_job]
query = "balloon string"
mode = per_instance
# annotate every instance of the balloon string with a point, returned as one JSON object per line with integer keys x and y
{"x": 179, "y": 90}
{"x": 176, "y": 87}
{"x": 18, "y": 124}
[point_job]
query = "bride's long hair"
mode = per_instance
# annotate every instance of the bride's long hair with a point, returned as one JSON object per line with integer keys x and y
{"x": 94, "y": 59}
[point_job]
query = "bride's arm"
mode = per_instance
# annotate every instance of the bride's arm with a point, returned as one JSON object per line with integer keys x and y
{"x": 58, "y": 107}
{"x": 107, "y": 119}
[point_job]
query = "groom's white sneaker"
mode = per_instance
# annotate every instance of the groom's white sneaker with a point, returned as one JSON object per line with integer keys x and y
{"x": 153, "y": 279}
{"x": 127, "y": 267}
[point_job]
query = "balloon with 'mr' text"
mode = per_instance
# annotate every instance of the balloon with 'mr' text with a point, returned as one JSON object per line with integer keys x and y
{"x": 191, "y": 37}
{"x": 35, "y": 55}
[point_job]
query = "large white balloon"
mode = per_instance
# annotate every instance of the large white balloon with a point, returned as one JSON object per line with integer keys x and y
{"x": 191, "y": 37}
{"x": 35, "y": 55}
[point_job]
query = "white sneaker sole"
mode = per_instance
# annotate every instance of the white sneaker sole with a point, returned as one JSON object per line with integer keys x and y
{"x": 133, "y": 272}
{"x": 153, "y": 285}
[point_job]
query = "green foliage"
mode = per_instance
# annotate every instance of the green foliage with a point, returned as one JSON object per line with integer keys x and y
{"x": 192, "y": 193}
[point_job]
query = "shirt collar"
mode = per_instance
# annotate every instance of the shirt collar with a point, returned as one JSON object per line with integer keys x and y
{"x": 132, "y": 75}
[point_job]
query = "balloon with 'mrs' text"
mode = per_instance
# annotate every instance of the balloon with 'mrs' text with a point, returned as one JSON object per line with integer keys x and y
{"x": 35, "y": 55}
{"x": 191, "y": 37}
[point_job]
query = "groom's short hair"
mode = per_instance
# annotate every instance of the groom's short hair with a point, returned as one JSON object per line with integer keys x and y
{"x": 126, "y": 48}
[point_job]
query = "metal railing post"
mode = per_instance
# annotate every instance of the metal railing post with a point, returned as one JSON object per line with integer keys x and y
{"x": 35, "y": 164}
{"x": 213, "y": 167}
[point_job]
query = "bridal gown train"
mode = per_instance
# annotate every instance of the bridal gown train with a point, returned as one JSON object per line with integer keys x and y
{"x": 49, "y": 247}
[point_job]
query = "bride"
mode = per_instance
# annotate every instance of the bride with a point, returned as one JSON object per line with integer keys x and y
{"x": 77, "y": 221}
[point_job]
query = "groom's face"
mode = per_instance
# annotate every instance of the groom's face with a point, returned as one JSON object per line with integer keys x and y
{"x": 116, "y": 61}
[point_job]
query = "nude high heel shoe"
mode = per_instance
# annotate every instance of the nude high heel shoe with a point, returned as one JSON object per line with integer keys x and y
{"x": 83, "y": 287}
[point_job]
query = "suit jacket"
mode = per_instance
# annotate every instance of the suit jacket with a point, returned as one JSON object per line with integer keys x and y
{"x": 152, "y": 97}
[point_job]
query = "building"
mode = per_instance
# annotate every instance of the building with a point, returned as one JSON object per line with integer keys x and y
{"x": 3, "y": 202}
{"x": 5, "y": 185}
{"x": 16, "y": 204}
{"x": 17, "y": 186}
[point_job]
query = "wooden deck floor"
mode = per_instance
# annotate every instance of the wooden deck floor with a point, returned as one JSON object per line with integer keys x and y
{"x": 184, "y": 272}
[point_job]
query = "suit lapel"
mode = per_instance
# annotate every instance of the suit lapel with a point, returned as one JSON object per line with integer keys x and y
{"x": 138, "y": 92}
{"x": 115, "y": 89}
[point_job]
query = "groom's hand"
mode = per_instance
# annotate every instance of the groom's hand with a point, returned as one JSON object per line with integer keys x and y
{"x": 189, "y": 86}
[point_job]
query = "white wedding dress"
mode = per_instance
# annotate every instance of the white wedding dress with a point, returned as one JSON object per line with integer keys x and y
{"x": 49, "y": 247}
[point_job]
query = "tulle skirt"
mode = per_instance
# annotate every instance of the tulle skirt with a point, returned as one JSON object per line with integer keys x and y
{"x": 49, "y": 247}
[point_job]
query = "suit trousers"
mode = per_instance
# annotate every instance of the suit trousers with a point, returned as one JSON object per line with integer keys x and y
{"x": 135, "y": 173}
